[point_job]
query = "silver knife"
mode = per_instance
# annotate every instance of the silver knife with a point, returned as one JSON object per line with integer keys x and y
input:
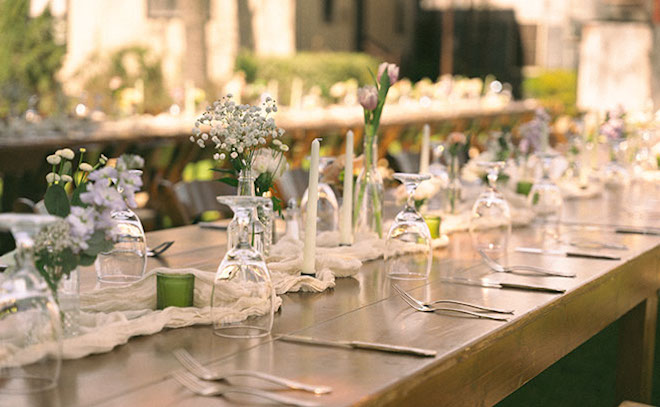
{"x": 494, "y": 284}
{"x": 212, "y": 225}
{"x": 637, "y": 231}
{"x": 535, "y": 250}
{"x": 360, "y": 345}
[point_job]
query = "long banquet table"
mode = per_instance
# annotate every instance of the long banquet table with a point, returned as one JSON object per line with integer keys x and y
{"x": 479, "y": 362}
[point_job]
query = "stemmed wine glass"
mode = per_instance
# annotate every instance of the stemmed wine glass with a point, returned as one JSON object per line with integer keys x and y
{"x": 127, "y": 261}
{"x": 490, "y": 222}
{"x": 30, "y": 322}
{"x": 408, "y": 252}
{"x": 242, "y": 286}
{"x": 327, "y": 212}
{"x": 546, "y": 202}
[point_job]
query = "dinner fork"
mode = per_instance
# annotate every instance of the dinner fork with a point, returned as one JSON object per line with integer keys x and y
{"x": 420, "y": 306}
{"x": 196, "y": 368}
{"x": 208, "y": 389}
{"x": 158, "y": 250}
{"x": 480, "y": 308}
{"x": 497, "y": 267}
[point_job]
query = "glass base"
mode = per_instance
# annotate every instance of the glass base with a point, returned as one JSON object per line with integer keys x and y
{"x": 25, "y": 384}
{"x": 241, "y": 331}
{"x": 407, "y": 276}
{"x": 118, "y": 279}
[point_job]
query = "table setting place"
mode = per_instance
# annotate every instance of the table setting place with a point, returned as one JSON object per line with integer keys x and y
{"x": 89, "y": 225}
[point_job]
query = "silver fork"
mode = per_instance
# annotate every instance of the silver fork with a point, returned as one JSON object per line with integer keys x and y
{"x": 158, "y": 250}
{"x": 208, "y": 389}
{"x": 497, "y": 267}
{"x": 481, "y": 308}
{"x": 196, "y": 368}
{"x": 420, "y": 306}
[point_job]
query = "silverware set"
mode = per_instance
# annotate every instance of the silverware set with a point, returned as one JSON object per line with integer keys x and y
{"x": 479, "y": 311}
{"x": 158, "y": 250}
{"x": 201, "y": 380}
{"x": 495, "y": 266}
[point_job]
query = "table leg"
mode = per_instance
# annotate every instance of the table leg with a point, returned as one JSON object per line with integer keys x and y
{"x": 635, "y": 352}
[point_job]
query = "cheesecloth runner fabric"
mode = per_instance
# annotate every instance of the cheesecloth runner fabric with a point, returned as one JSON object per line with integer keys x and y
{"x": 110, "y": 316}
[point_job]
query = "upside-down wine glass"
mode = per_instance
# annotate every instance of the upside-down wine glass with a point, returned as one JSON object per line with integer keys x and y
{"x": 490, "y": 221}
{"x": 546, "y": 202}
{"x": 243, "y": 296}
{"x": 127, "y": 261}
{"x": 408, "y": 251}
{"x": 30, "y": 321}
{"x": 327, "y": 212}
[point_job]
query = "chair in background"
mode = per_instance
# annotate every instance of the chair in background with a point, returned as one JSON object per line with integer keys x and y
{"x": 185, "y": 202}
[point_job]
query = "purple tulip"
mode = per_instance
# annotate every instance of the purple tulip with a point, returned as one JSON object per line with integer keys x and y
{"x": 392, "y": 72}
{"x": 368, "y": 97}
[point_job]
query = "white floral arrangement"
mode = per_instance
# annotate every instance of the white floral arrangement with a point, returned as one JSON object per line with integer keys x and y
{"x": 247, "y": 138}
{"x": 85, "y": 198}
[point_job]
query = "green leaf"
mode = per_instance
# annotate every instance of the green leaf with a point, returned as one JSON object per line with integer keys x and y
{"x": 56, "y": 201}
{"x": 263, "y": 183}
{"x": 229, "y": 181}
{"x": 98, "y": 244}
{"x": 66, "y": 168}
{"x": 75, "y": 198}
{"x": 86, "y": 260}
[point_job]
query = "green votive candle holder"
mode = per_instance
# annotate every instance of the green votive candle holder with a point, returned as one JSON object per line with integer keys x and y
{"x": 433, "y": 222}
{"x": 523, "y": 187}
{"x": 174, "y": 290}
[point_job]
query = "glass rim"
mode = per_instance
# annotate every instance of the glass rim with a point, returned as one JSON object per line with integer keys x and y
{"x": 175, "y": 276}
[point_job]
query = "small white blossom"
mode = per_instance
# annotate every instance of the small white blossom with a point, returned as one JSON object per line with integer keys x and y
{"x": 233, "y": 154}
{"x": 66, "y": 178}
{"x": 85, "y": 167}
{"x": 103, "y": 159}
{"x": 66, "y": 153}
{"x": 277, "y": 142}
{"x": 222, "y": 156}
{"x": 216, "y": 156}
{"x": 205, "y": 136}
{"x": 53, "y": 159}
{"x": 52, "y": 177}
{"x": 192, "y": 139}
{"x": 284, "y": 147}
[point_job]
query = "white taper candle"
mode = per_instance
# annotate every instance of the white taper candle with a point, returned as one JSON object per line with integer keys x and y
{"x": 424, "y": 152}
{"x": 309, "y": 253}
{"x": 346, "y": 221}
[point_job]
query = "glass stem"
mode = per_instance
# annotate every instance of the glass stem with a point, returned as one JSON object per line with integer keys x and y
{"x": 243, "y": 217}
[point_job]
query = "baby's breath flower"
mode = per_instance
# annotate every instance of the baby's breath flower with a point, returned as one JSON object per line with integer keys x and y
{"x": 85, "y": 167}
{"x": 216, "y": 156}
{"x": 53, "y": 159}
{"x": 222, "y": 156}
{"x": 233, "y": 154}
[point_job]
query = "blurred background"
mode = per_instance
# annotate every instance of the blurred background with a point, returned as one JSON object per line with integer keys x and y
{"x": 130, "y": 76}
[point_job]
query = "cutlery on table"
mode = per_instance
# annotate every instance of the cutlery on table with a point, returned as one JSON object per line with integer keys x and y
{"x": 419, "y": 306}
{"x": 197, "y": 369}
{"x": 209, "y": 389}
{"x": 502, "y": 285}
{"x": 535, "y": 250}
{"x": 481, "y": 308}
{"x": 359, "y": 345}
{"x": 212, "y": 225}
{"x": 497, "y": 267}
{"x": 158, "y": 250}
{"x": 637, "y": 231}
{"x": 595, "y": 244}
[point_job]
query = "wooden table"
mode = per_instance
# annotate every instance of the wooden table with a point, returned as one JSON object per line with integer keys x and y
{"x": 479, "y": 362}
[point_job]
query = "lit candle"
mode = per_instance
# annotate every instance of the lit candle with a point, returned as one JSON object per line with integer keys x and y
{"x": 309, "y": 253}
{"x": 345, "y": 224}
{"x": 424, "y": 153}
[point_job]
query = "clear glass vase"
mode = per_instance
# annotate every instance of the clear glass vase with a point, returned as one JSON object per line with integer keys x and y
{"x": 615, "y": 174}
{"x": 68, "y": 298}
{"x": 454, "y": 190}
{"x": 30, "y": 324}
{"x": 262, "y": 221}
{"x": 369, "y": 193}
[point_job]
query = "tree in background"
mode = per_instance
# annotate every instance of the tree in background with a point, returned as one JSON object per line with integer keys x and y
{"x": 29, "y": 58}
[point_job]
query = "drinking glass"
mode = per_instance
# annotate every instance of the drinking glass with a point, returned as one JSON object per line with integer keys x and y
{"x": 408, "y": 253}
{"x": 546, "y": 202}
{"x": 127, "y": 261}
{"x": 490, "y": 221}
{"x": 30, "y": 322}
{"x": 327, "y": 212}
{"x": 243, "y": 296}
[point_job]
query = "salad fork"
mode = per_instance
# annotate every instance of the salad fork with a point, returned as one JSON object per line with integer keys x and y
{"x": 420, "y": 306}
{"x": 497, "y": 267}
{"x": 208, "y": 389}
{"x": 480, "y": 308}
{"x": 158, "y": 250}
{"x": 197, "y": 369}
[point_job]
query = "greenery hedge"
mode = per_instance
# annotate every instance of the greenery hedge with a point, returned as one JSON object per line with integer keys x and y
{"x": 555, "y": 89}
{"x": 314, "y": 68}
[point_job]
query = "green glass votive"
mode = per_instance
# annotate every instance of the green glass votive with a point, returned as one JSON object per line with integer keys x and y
{"x": 433, "y": 222}
{"x": 174, "y": 290}
{"x": 523, "y": 187}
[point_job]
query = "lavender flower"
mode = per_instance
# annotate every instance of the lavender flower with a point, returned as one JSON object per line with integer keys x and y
{"x": 614, "y": 126}
{"x": 101, "y": 194}
{"x": 81, "y": 225}
{"x": 534, "y": 133}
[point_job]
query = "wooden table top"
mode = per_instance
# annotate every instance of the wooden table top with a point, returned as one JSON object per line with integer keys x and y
{"x": 479, "y": 362}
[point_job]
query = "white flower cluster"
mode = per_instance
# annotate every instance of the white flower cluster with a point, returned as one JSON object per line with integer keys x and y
{"x": 237, "y": 130}
{"x": 56, "y": 238}
{"x": 266, "y": 160}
